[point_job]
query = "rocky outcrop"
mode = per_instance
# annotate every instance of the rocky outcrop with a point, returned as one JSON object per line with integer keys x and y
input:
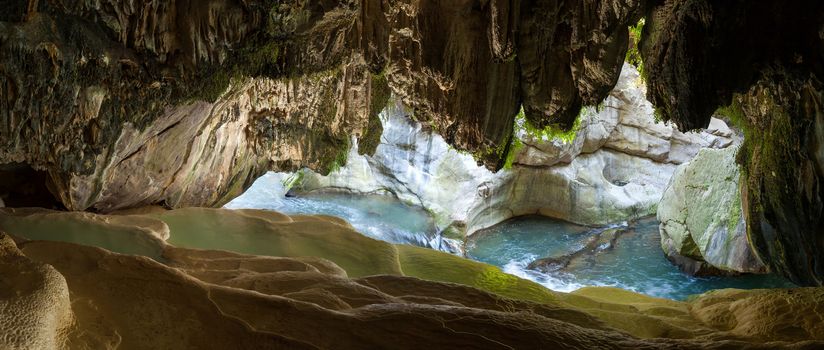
{"x": 471, "y": 68}
{"x": 783, "y": 159}
{"x": 697, "y": 59}
{"x": 92, "y": 91}
{"x": 35, "y": 310}
{"x": 616, "y": 167}
{"x": 703, "y": 227}
{"x": 235, "y": 300}
{"x": 125, "y": 104}
{"x": 600, "y": 241}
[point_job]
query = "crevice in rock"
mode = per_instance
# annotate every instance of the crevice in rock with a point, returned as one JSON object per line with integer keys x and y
{"x": 22, "y": 186}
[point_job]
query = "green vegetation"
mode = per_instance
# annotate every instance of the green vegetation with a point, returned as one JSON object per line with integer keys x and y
{"x": 734, "y": 214}
{"x": 633, "y": 53}
{"x": 549, "y": 133}
{"x": 340, "y": 158}
{"x": 734, "y": 115}
{"x": 514, "y": 148}
{"x": 522, "y": 126}
{"x": 295, "y": 179}
{"x": 658, "y": 115}
{"x": 259, "y": 58}
{"x": 368, "y": 143}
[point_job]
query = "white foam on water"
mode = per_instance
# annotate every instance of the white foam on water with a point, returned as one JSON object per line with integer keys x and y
{"x": 557, "y": 282}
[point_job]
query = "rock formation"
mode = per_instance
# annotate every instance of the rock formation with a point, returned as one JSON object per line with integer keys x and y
{"x": 616, "y": 167}
{"x": 204, "y": 298}
{"x": 118, "y": 105}
{"x": 700, "y": 55}
{"x": 703, "y": 228}
{"x": 602, "y": 240}
{"x": 124, "y": 104}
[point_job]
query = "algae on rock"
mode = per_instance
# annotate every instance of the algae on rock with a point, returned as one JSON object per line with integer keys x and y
{"x": 702, "y": 226}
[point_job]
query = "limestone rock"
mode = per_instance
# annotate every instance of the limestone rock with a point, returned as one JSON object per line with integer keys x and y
{"x": 205, "y": 298}
{"x": 701, "y": 215}
{"x": 595, "y": 189}
{"x": 784, "y": 185}
{"x": 697, "y": 61}
{"x": 35, "y": 310}
{"x": 126, "y": 104}
{"x": 592, "y": 180}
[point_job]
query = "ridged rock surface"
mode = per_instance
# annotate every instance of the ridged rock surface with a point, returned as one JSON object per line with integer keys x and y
{"x": 218, "y": 299}
{"x": 703, "y": 227}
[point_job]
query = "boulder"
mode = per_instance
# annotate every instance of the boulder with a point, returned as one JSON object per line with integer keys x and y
{"x": 35, "y": 310}
{"x": 702, "y": 221}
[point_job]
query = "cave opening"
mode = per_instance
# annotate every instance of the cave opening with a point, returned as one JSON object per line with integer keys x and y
{"x": 436, "y": 174}
{"x": 23, "y": 186}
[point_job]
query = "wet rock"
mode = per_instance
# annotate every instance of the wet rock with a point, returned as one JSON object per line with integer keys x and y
{"x": 702, "y": 217}
{"x": 784, "y": 178}
{"x": 94, "y": 91}
{"x": 35, "y": 310}
{"x": 126, "y": 104}
{"x": 231, "y": 299}
{"x": 592, "y": 180}
{"x": 602, "y": 240}
{"x": 697, "y": 59}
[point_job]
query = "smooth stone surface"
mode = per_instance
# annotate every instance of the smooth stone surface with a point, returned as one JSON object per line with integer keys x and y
{"x": 615, "y": 168}
{"x": 207, "y": 298}
{"x": 702, "y": 218}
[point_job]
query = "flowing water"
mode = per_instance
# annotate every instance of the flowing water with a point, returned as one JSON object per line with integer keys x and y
{"x": 635, "y": 263}
{"x": 377, "y": 216}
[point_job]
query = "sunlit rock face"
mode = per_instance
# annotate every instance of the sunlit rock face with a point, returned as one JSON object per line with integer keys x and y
{"x": 93, "y": 91}
{"x": 697, "y": 59}
{"x": 467, "y": 66}
{"x": 364, "y": 293}
{"x": 703, "y": 227}
{"x": 616, "y": 167}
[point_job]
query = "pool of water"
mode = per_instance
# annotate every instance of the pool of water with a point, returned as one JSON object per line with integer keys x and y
{"x": 377, "y": 216}
{"x": 635, "y": 263}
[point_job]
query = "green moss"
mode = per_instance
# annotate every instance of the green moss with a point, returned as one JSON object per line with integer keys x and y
{"x": 295, "y": 179}
{"x": 368, "y": 143}
{"x": 337, "y": 158}
{"x": 433, "y": 265}
{"x": 258, "y": 58}
{"x": 633, "y": 53}
{"x": 734, "y": 215}
{"x": 734, "y": 114}
{"x": 551, "y": 132}
{"x": 514, "y": 148}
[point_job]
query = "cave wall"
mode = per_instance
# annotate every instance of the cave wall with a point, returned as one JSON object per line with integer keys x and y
{"x": 119, "y": 104}
{"x": 183, "y": 103}
{"x": 763, "y": 62}
{"x": 128, "y": 103}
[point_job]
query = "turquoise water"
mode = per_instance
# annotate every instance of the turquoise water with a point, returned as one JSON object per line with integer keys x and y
{"x": 84, "y": 229}
{"x": 636, "y": 263}
{"x": 377, "y": 216}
